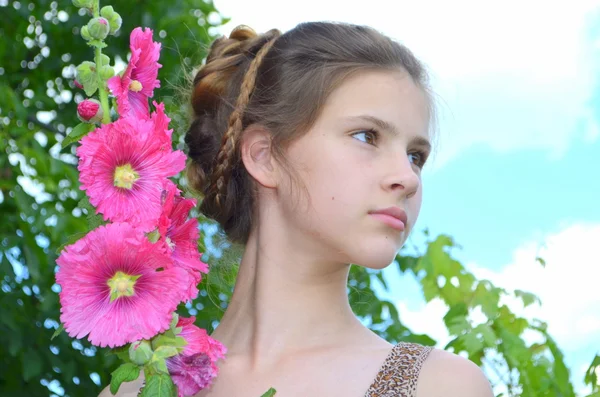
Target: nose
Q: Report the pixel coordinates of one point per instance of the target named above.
(403, 177)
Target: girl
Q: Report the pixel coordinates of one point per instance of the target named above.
(308, 149)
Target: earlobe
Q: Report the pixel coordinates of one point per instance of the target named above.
(255, 151)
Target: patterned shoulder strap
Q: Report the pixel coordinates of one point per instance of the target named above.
(400, 371)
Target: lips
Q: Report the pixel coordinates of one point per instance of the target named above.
(395, 212)
(394, 217)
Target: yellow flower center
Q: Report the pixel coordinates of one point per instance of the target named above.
(125, 176)
(135, 86)
(121, 284)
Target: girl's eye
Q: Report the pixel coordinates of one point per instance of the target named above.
(370, 136)
(417, 158)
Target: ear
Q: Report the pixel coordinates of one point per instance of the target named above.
(255, 151)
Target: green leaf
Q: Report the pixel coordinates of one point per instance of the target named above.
(127, 372)
(80, 130)
(159, 385)
(591, 377)
(121, 352)
(381, 279)
(541, 261)
(70, 240)
(527, 297)
(406, 263)
(488, 299)
(430, 288)
(94, 220)
(472, 343)
(457, 325)
(270, 393)
(58, 331)
(97, 44)
(168, 340)
(487, 333)
(165, 352)
(174, 319)
(158, 365)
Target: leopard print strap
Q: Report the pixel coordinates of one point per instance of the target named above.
(400, 371)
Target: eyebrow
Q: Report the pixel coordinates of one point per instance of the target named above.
(384, 125)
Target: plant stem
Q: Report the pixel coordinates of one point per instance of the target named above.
(102, 91)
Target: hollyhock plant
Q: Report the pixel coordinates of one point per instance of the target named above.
(195, 368)
(122, 282)
(123, 168)
(117, 287)
(179, 236)
(139, 79)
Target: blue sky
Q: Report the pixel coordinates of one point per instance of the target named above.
(491, 202)
(516, 175)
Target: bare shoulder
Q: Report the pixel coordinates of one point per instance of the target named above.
(447, 374)
(127, 389)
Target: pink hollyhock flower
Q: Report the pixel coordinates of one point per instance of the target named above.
(117, 287)
(195, 368)
(179, 236)
(139, 79)
(124, 165)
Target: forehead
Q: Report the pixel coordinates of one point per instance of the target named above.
(387, 95)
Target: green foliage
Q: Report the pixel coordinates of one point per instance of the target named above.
(78, 132)
(127, 372)
(591, 375)
(159, 385)
(497, 342)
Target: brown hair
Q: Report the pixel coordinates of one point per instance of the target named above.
(279, 82)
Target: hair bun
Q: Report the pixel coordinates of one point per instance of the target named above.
(218, 87)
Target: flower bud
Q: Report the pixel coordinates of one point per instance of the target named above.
(86, 76)
(98, 28)
(89, 111)
(104, 60)
(85, 33)
(78, 84)
(83, 3)
(107, 12)
(106, 72)
(140, 352)
(115, 23)
(114, 19)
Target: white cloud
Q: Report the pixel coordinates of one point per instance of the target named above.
(567, 286)
(426, 318)
(511, 75)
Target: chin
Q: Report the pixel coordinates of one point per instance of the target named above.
(378, 254)
(377, 258)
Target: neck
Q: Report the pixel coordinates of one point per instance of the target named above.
(285, 300)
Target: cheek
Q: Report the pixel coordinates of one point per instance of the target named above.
(339, 188)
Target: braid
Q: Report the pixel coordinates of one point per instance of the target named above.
(221, 171)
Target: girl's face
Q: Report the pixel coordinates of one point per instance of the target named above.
(364, 153)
